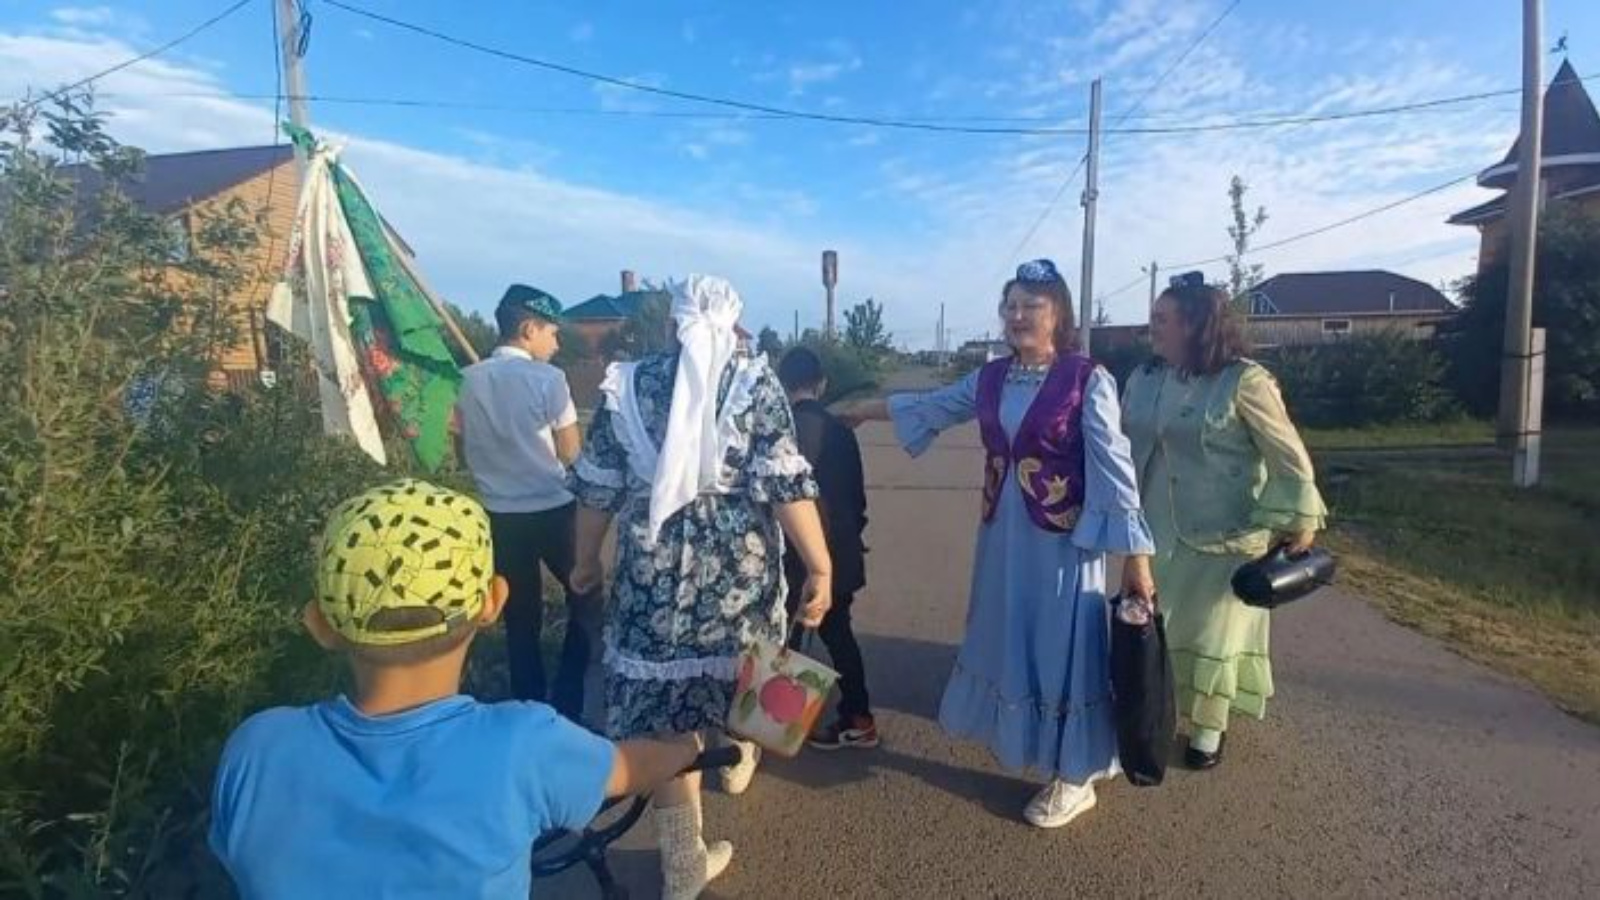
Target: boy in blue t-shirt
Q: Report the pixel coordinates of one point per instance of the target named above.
(407, 788)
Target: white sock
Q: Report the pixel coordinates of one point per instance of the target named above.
(1206, 740)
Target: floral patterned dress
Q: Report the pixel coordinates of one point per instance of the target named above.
(683, 611)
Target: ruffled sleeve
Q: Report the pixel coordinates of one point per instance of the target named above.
(1290, 502)
(919, 418)
(599, 480)
(1111, 521)
(776, 471)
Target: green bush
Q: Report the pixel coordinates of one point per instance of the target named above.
(851, 370)
(1376, 380)
(1566, 303)
(1121, 360)
(154, 558)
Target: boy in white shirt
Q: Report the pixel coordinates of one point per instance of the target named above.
(517, 431)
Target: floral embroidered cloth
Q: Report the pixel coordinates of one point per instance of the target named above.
(349, 294)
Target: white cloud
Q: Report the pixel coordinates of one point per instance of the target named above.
(492, 213)
(91, 22)
(806, 75)
(703, 139)
(84, 16)
(476, 225)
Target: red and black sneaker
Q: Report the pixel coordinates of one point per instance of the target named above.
(859, 733)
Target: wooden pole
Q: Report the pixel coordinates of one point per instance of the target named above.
(449, 320)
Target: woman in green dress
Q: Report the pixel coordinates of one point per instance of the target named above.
(1224, 477)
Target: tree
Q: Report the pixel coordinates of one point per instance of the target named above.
(1242, 277)
(863, 327)
(1566, 303)
(769, 342)
(648, 330)
(480, 332)
(153, 529)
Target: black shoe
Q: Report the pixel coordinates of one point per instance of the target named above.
(1199, 760)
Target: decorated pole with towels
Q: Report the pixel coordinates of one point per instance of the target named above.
(369, 323)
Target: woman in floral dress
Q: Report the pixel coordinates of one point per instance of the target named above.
(694, 455)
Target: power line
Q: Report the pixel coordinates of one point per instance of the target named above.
(1122, 290)
(875, 121)
(923, 124)
(203, 26)
(1193, 46)
(1437, 105)
(1333, 225)
(1067, 182)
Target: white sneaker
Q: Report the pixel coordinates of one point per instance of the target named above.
(1059, 803)
(736, 779)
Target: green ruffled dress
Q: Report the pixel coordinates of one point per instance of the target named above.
(1221, 468)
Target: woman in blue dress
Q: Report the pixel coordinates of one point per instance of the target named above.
(1032, 680)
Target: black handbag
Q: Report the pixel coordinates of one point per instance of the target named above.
(1282, 577)
(1142, 688)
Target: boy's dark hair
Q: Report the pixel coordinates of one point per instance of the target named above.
(522, 303)
(415, 652)
(801, 370)
(509, 319)
(510, 316)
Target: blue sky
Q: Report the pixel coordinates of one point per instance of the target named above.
(578, 182)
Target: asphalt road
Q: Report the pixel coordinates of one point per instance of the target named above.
(1387, 766)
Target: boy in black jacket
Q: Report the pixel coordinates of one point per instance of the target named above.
(835, 457)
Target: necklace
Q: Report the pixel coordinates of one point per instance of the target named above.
(1028, 373)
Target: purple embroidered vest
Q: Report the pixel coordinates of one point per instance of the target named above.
(1047, 451)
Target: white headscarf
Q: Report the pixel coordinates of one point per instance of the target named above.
(706, 309)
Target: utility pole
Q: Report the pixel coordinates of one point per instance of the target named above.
(794, 336)
(1519, 412)
(830, 278)
(1091, 194)
(941, 340)
(1153, 270)
(294, 73)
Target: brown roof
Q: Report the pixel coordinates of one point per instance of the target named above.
(1346, 293)
(1571, 133)
(174, 181)
(1494, 209)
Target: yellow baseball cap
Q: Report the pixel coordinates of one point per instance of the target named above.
(406, 545)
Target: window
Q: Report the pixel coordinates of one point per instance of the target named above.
(1336, 328)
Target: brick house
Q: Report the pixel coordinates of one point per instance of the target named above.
(178, 186)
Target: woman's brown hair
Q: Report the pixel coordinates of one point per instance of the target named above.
(1066, 335)
(1216, 337)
